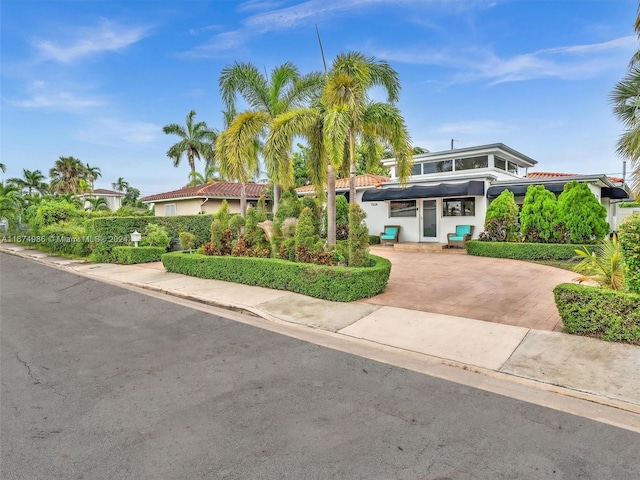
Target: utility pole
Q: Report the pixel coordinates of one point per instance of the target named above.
(453, 140)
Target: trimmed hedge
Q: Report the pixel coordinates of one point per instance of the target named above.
(629, 236)
(340, 284)
(522, 251)
(599, 312)
(374, 239)
(133, 255)
(115, 231)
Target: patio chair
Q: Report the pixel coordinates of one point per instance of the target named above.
(458, 239)
(390, 235)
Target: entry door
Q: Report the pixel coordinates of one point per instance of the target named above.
(429, 220)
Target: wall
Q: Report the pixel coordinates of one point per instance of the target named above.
(193, 206)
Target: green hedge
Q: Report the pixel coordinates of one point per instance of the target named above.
(522, 251)
(132, 255)
(341, 284)
(66, 238)
(114, 231)
(629, 236)
(374, 239)
(599, 312)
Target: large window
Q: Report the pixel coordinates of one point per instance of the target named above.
(500, 163)
(402, 208)
(416, 169)
(472, 162)
(459, 207)
(437, 167)
(170, 210)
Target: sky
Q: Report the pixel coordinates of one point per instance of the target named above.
(97, 80)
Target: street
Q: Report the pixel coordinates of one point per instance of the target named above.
(100, 382)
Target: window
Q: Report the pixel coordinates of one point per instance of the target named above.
(500, 163)
(513, 168)
(170, 210)
(472, 162)
(459, 207)
(416, 169)
(437, 167)
(402, 208)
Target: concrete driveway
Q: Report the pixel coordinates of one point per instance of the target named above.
(497, 290)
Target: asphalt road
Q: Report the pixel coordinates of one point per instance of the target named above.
(99, 382)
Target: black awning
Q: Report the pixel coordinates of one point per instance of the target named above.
(472, 188)
(614, 193)
(557, 188)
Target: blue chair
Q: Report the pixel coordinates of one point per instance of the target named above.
(390, 235)
(458, 239)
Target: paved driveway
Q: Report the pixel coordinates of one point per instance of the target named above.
(492, 289)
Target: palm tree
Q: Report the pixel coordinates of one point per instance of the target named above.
(267, 97)
(197, 142)
(350, 112)
(11, 203)
(66, 175)
(92, 173)
(120, 185)
(96, 204)
(3, 167)
(31, 180)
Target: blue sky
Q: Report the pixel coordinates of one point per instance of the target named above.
(98, 80)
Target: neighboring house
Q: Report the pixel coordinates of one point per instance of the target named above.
(366, 181)
(454, 187)
(113, 198)
(204, 198)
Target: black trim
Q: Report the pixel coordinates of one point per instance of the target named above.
(472, 188)
(556, 187)
(615, 193)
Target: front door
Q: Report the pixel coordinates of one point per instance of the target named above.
(429, 220)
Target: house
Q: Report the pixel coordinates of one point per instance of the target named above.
(204, 198)
(366, 181)
(455, 187)
(113, 198)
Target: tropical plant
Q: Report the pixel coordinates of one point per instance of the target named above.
(581, 215)
(539, 215)
(603, 265)
(66, 175)
(11, 204)
(92, 174)
(3, 167)
(352, 114)
(358, 236)
(120, 185)
(187, 240)
(197, 142)
(501, 219)
(266, 97)
(96, 204)
(31, 180)
(156, 236)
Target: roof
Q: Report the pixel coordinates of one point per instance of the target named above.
(210, 190)
(102, 191)
(366, 180)
(558, 175)
(480, 149)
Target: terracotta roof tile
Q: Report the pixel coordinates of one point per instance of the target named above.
(103, 191)
(211, 190)
(366, 180)
(559, 175)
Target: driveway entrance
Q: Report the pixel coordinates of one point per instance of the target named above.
(497, 290)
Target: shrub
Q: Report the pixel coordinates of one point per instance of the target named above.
(236, 224)
(539, 215)
(312, 205)
(374, 239)
(358, 236)
(522, 251)
(581, 214)
(598, 312)
(604, 265)
(629, 236)
(187, 240)
(132, 255)
(342, 284)
(156, 236)
(501, 219)
(50, 212)
(66, 238)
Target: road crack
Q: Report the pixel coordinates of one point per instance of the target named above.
(35, 379)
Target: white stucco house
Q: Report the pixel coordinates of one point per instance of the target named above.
(113, 198)
(454, 187)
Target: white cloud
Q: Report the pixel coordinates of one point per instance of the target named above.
(113, 131)
(108, 37)
(65, 101)
(474, 127)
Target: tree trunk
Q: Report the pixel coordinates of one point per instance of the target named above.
(277, 193)
(331, 206)
(243, 200)
(352, 166)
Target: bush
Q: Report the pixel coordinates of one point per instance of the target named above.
(598, 312)
(341, 284)
(629, 238)
(66, 238)
(374, 239)
(581, 214)
(358, 236)
(132, 255)
(156, 236)
(50, 212)
(522, 251)
(539, 215)
(187, 240)
(500, 223)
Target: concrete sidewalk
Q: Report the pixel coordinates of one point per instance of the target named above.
(602, 372)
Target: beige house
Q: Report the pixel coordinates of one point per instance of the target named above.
(204, 198)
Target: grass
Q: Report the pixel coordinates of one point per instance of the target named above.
(563, 264)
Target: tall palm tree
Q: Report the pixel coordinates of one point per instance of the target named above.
(96, 204)
(3, 167)
(120, 185)
(92, 173)
(266, 97)
(66, 175)
(11, 203)
(31, 180)
(351, 113)
(197, 141)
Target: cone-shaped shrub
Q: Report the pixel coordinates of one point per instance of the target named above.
(539, 215)
(581, 214)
